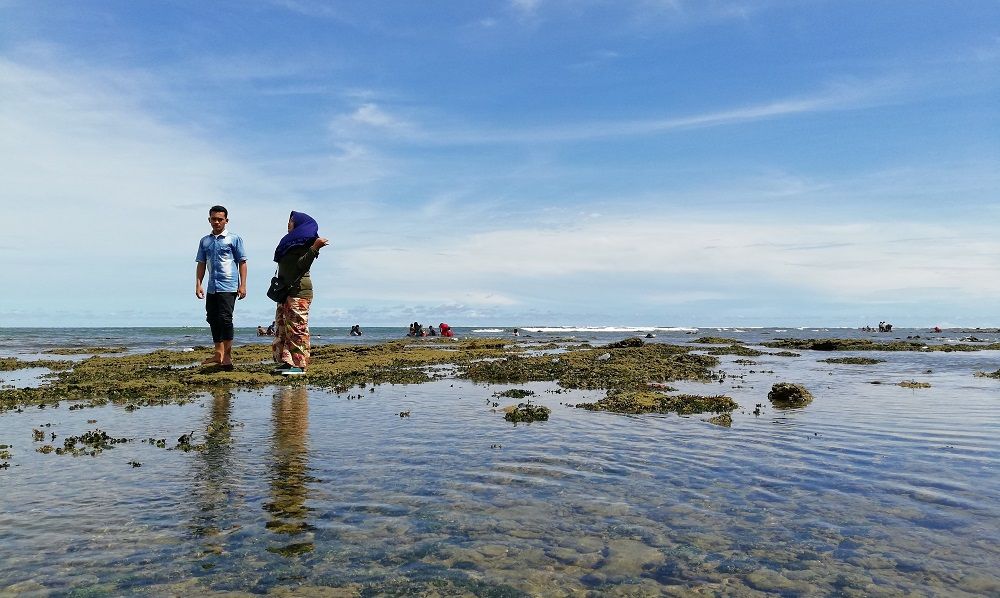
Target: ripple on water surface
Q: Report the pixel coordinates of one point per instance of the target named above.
(872, 489)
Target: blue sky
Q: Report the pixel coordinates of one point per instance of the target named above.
(528, 162)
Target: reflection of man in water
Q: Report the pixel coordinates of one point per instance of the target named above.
(290, 410)
(215, 511)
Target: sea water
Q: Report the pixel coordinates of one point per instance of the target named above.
(873, 489)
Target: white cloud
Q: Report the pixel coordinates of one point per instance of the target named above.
(368, 118)
(111, 200)
(838, 96)
(849, 262)
(526, 7)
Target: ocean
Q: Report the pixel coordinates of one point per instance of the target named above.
(872, 490)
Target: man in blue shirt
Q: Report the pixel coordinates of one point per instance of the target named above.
(221, 253)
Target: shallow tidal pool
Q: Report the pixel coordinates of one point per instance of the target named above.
(871, 490)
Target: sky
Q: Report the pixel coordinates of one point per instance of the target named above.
(512, 163)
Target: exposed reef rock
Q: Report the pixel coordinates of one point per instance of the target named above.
(860, 344)
(526, 412)
(85, 350)
(648, 401)
(626, 343)
(161, 377)
(853, 360)
(785, 395)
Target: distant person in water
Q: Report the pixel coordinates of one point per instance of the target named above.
(261, 331)
(270, 329)
(445, 330)
(516, 333)
(294, 255)
(430, 331)
(356, 330)
(221, 255)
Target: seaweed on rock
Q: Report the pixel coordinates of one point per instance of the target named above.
(861, 344)
(853, 360)
(649, 401)
(526, 412)
(785, 395)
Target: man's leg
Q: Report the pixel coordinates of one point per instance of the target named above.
(224, 349)
(212, 316)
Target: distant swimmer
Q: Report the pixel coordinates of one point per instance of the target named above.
(445, 329)
(937, 329)
(430, 331)
(516, 333)
(261, 331)
(356, 330)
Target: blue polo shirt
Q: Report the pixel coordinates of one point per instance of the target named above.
(222, 255)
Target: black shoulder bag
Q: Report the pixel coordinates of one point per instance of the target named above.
(279, 289)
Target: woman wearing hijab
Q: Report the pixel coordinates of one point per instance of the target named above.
(294, 255)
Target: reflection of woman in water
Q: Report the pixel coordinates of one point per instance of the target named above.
(289, 477)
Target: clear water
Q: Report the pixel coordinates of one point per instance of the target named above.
(870, 490)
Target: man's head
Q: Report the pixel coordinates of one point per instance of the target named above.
(218, 217)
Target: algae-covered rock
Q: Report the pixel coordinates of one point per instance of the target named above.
(785, 395)
(526, 412)
(741, 350)
(725, 420)
(914, 384)
(650, 401)
(85, 350)
(626, 343)
(716, 340)
(8, 364)
(861, 344)
(627, 368)
(514, 393)
(853, 360)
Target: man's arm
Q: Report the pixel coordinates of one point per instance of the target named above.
(199, 274)
(242, 292)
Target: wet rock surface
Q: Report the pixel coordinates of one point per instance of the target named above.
(854, 344)
(586, 505)
(649, 401)
(526, 412)
(786, 395)
(853, 360)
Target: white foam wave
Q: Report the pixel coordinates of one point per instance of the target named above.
(558, 329)
(488, 330)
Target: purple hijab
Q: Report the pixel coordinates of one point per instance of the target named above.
(306, 231)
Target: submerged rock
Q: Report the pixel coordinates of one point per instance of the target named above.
(785, 395)
(725, 420)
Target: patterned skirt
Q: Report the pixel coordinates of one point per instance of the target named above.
(291, 332)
